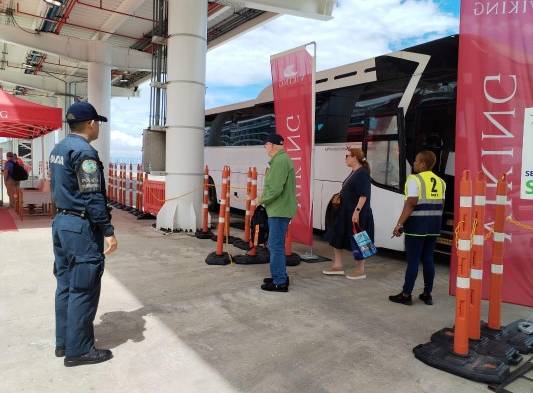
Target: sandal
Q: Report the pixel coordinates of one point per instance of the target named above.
(356, 276)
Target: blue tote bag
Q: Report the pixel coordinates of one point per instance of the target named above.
(362, 246)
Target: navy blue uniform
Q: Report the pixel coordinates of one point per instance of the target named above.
(78, 230)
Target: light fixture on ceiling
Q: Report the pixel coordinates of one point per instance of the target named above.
(57, 3)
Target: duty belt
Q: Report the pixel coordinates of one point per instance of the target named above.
(77, 213)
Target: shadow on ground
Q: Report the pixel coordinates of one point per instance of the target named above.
(118, 327)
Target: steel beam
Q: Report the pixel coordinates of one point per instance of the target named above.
(77, 49)
(314, 9)
(46, 84)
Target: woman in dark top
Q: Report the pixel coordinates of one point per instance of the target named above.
(354, 209)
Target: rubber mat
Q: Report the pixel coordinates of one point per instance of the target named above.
(6, 221)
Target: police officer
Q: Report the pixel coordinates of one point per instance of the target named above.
(79, 228)
(420, 220)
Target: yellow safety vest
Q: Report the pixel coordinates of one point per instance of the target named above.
(426, 219)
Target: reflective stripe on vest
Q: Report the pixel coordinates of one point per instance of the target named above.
(426, 219)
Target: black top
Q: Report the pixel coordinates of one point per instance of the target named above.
(355, 186)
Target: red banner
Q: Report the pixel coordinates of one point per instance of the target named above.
(293, 77)
(494, 131)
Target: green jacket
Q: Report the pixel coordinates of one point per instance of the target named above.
(279, 190)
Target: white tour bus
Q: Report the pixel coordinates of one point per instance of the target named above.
(392, 106)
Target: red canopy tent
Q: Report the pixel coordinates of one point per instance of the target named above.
(24, 119)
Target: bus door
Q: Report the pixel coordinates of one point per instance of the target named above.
(384, 148)
(435, 131)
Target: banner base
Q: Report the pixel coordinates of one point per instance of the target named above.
(310, 257)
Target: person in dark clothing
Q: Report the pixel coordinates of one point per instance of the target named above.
(12, 185)
(420, 221)
(79, 231)
(354, 211)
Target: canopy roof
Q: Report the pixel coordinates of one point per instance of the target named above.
(24, 119)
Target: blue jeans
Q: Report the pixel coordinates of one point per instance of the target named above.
(419, 248)
(277, 229)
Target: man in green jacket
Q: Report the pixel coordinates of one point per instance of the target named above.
(279, 199)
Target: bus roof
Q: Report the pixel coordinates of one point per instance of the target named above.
(357, 73)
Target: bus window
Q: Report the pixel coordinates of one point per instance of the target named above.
(382, 150)
(333, 116)
(242, 127)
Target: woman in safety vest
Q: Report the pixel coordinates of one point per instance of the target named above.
(421, 221)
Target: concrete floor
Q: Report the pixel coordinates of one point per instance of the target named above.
(176, 324)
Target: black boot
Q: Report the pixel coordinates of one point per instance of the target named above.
(271, 287)
(402, 299)
(269, 280)
(92, 357)
(426, 298)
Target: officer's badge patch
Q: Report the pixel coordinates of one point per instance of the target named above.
(89, 166)
(89, 178)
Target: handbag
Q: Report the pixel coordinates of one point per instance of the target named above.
(336, 200)
(362, 246)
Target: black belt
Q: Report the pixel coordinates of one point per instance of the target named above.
(77, 213)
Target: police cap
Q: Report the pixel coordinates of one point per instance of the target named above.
(83, 111)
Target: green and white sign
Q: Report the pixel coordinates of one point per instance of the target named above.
(526, 184)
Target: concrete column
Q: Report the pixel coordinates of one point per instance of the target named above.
(187, 48)
(99, 95)
(62, 133)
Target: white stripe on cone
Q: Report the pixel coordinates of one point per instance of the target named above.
(476, 274)
(480, 200)
(465, 201)
(478, 240)
(501, 200)
(499, 237)
(464, 245)
(463, 282)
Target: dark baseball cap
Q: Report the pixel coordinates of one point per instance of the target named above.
(83, 111)
(275, 139)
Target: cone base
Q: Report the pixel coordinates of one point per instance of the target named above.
(511, 335)
(199, 234)
(218, 260)
(145, 216)
(474, 367)
(241, 244)
(485, 346)
(262, 256)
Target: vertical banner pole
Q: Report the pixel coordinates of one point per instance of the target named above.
(309, 256)
(2, 179)
(293, 84)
